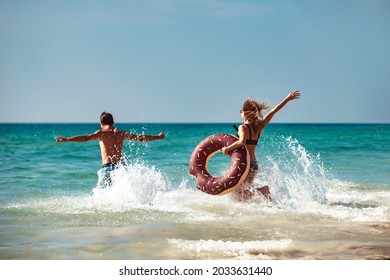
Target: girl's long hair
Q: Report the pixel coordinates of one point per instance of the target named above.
(253, 109)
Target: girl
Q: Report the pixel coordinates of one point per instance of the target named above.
(249, 134)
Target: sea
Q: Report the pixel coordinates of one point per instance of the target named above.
(330, 187)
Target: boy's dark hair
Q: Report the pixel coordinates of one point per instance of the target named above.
(106, 118)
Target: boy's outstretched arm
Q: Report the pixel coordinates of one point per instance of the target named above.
(79, 138)
(291, 96)
(145, 137)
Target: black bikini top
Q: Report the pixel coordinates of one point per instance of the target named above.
(249, 141)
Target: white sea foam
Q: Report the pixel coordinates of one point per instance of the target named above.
(232, 249)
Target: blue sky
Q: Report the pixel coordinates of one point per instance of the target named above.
(193, 60)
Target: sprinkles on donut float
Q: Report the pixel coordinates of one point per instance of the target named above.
(235, 175)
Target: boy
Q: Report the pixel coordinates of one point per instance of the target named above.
(111, 142)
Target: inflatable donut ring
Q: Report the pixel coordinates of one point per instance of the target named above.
(233, 178)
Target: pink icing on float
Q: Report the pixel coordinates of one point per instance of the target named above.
(232, 179)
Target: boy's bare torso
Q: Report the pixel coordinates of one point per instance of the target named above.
(111, 143)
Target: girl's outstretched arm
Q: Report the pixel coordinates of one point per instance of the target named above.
(291, 96)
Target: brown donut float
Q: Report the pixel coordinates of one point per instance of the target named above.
(232, 179)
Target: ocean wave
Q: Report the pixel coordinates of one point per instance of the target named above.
(217, 249)
(297, 180)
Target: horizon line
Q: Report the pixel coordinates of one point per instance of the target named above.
(228, 122)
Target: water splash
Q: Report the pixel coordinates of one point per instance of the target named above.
(295, 177)
(134, 184)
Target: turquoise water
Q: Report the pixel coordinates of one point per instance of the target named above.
(330, 184)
